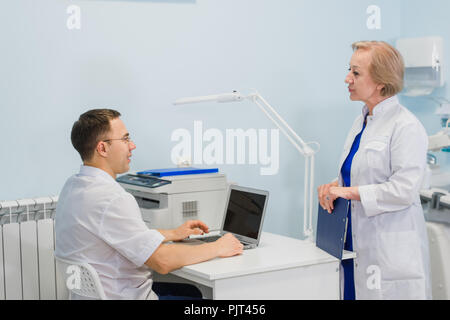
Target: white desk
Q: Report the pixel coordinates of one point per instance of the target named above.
(280, 268)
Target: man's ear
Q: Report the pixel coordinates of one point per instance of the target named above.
(102, 148)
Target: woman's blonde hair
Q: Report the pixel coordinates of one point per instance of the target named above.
(386, 67)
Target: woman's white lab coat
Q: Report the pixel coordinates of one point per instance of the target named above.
(388, 226)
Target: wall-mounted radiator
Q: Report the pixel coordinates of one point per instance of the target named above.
(27, 242)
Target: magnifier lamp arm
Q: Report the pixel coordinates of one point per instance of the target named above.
(293, 137)
(305, 150)
(282, 129)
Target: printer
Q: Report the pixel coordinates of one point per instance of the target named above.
(168, 201)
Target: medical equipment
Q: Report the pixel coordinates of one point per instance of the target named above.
(439, 244)
(441, 140)
(423, 59)
(168, 202)
(294, 139)
(436, 176)
(435, 200)
(27, 264)
(436, 204)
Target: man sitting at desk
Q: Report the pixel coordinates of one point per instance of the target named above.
(98, 222)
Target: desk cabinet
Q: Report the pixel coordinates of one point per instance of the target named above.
(280, 268)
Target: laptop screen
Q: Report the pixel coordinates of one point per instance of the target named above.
(244, 213)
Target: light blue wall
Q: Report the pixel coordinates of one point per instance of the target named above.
(139, 56)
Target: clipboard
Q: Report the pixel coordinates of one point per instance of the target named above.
(331, 228)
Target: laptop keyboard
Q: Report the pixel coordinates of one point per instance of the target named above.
(210, 239)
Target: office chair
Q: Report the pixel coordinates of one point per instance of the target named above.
(81, 279)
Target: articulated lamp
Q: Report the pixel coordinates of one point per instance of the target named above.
(295, 140)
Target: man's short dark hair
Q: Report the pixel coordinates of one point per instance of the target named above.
(89, 129)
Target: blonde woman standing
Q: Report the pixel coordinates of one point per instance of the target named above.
(380, 173)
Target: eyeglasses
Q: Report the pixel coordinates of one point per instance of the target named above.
(126, 139)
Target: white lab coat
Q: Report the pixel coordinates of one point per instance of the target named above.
(388, 225)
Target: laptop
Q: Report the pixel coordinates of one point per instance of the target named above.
(243, 217)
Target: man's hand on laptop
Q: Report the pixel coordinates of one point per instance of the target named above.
(191, 227)
(229, 245)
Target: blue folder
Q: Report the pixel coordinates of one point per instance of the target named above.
(331, 228)
(177, 171)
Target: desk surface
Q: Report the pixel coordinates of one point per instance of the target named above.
(275, 252)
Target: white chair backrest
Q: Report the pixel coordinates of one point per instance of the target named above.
(81, 279)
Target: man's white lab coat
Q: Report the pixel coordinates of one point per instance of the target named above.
(388, 226)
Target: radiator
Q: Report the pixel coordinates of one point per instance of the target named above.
(28, 269)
